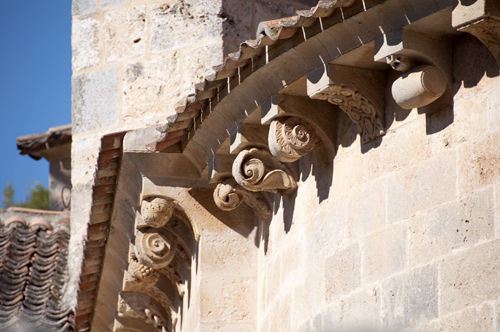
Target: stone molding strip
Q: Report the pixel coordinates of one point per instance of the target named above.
(103, 196)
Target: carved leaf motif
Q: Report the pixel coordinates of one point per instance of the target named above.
(362, 112)
(258, 170)
(156, 211)
(155, 248)
(291, 138)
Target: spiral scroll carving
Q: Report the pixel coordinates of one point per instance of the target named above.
(291, 138)
(361, 111)
(228, 195)
(257, 170)
(155, 248)
(156, 211)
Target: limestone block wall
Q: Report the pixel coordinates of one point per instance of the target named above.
(132, 62)
(401, 236)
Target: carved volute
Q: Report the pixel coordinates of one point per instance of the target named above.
(257, 170)
(228, 195)
(155, 248)
(291, 138)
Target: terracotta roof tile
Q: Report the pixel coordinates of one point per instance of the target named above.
(33, 260)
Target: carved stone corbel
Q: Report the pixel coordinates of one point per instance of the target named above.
(426, 67)
(228, 195)
(291, 138)
(360, 93)
(155, 212)
(257, 170)
(482, 20)
(155, 247)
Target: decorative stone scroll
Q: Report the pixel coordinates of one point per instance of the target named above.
(257, 170)
(155, 247)
(291, 138)
(362, 112)
(228, 195)
(155, 211)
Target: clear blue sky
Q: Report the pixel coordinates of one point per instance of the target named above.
(35, 83)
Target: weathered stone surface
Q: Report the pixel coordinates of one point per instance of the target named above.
(151, 88)
(293, 258)
(342, 272)
(366, 210)
(237, 25)
(384, 253)
(454, 225)
(494, 109)
(469, 277)
(81, 7)
(410, 298)
(273, 280)
(470, 120)
(85, 43)
(361, 310)
(109, 3)
(431, 182)
(228, 300)
(176, 26)
(480, 318)
(195, 68)
(125, 33)
(308, 300)
(227, 256)
(479, 163)
(404, 146)
(329, 219)
(95, 100)
(266, 10)
(497, 211)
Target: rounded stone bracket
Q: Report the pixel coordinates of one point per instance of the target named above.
(155, 212)
(155, 247)
(257, 170)
(290, 138)
(228, 195)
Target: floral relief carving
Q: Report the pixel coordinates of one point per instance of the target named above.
(362, 111)
(228, 195)
(291, 138)
(257, 170)
(155, 248)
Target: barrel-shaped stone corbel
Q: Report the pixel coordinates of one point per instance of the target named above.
(419, 87)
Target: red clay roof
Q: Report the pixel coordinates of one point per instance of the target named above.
(33, 260)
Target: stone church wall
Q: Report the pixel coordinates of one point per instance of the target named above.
(400, 235)
(133, 62)
(403, 236)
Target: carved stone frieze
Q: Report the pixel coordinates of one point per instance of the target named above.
(228, 195)
(155, 211)
(362, 111)
(291, 138)
(257, 170)
(155, 247)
